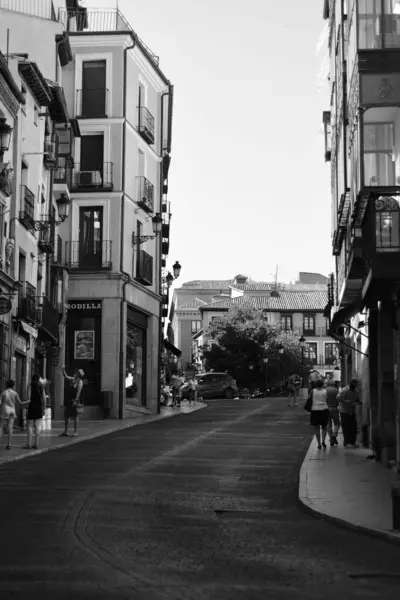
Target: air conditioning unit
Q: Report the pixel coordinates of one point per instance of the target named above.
(89, 178)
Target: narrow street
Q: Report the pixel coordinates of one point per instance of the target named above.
(197, 507)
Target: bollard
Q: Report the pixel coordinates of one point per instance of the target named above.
(396, 506)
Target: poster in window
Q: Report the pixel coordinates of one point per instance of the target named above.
(84, 345)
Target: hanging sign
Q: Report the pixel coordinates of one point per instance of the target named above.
(5, 305)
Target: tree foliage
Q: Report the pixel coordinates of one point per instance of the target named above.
(243, 339)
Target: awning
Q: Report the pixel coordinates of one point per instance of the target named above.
(29, 329)
(175, 351)
(5, 71)
(64, 49)
(343, 315)
(58, 106)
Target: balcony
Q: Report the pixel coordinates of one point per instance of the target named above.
(27, 302)
(27, 214)
(47, 319)
(89, 257)
(144, 272)
(63, 175)
(84, 180)
(146, 124)
(100, 21)
(145, 194)
(46, 240)
(43, 9)
(92, 104)
(50, 155)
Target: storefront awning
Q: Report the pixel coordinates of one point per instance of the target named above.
(343, 315)
(175, 351)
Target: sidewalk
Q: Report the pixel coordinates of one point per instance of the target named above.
(342, 485)
(50, 440)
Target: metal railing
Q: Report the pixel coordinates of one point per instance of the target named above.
(43, 9)
(144, 272)
(92, 20)
(27, 204)
(146, 124)
(145, 193)
(63, 171)
(27, 301)
(95, 256)
(89, 180)
(92, 104)
(57, 256)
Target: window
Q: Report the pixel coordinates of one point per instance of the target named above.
(35, 114)
(196, 326)
(310, 352)
(379, 24)
(287, 322)
(378, 154)
(309, 325)
(331, 353)
(90, 237)
(23, 106)
(387, 224)
(93, 96)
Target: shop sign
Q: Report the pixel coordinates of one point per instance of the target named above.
(20, 343)
(84, 305)
(380, 89)
(5, 305)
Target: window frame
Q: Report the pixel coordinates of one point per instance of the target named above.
(309, 330)
(197, 327)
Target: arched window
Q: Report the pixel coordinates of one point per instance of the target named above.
(387, 224)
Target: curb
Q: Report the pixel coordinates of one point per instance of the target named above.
(303, 501)
(96, 434)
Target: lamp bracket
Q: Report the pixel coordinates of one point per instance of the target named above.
(142, 238)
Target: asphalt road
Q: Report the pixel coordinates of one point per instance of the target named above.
(198, 507)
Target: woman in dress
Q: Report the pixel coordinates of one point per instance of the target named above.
(36, 409)
(319, 416)
(73, 395)
(8, 414)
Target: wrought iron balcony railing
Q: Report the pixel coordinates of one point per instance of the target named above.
(46, 240)
(27, 204)
(27, 302)
(144, 272)
(146, 124)
(63, 172)
(92, 180)
(94, 256)
(92, 104)
(145, 194)
(57, 258)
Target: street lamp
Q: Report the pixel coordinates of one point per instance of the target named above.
(176, 268)
(265, 360)
(302, 342)
(5, 136)
(156, 222)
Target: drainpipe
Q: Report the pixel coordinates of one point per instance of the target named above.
(126, 276)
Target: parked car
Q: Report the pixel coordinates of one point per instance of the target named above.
(214, 385)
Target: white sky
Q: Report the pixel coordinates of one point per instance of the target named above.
(248, 186)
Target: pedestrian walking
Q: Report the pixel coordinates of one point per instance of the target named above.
(36, 410)
(192, 387)
(319, 413)
(293, 386)
(8, 400)
(336, 377)
(333, 406)
(349, 400)
(73, 395)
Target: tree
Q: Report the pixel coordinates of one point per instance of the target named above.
(243, 338)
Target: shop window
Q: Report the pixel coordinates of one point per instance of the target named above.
(379, 24)
(135, 373)
(387, 224)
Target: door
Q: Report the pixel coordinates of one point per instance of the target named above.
(94, 89)
(92, 158)
(90, 237)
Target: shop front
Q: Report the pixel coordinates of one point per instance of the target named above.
(83, 349)
(136, 358)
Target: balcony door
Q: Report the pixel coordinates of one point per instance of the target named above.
(94, 89)
(92, 160)
(91, 237)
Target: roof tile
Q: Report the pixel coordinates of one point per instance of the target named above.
(287, 301)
